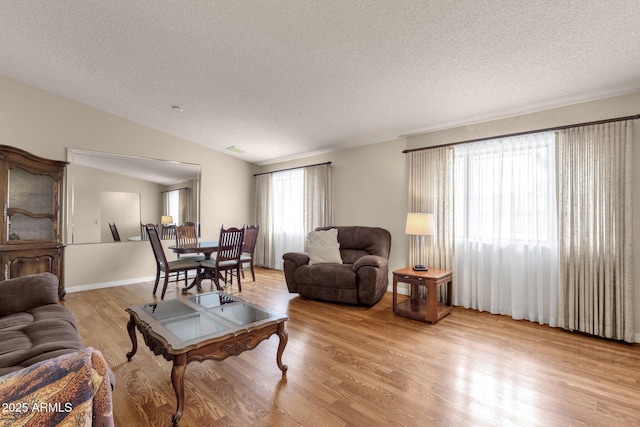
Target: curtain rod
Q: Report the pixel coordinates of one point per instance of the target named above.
(175, 189)
(598, 122)
(290, 169)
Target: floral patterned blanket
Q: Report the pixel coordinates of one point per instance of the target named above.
(70, 390)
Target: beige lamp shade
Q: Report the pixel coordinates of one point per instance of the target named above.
(419, 224)
(166, 219)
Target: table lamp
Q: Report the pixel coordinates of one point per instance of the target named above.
(166, 219)
(419, 224)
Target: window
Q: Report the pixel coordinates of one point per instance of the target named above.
(503, 189)
(173, 206)
(290, 203)
(288, 212)
(505, 227)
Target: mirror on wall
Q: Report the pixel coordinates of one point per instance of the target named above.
(106, 189)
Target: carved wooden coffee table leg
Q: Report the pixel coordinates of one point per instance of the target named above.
(131, 328)
(284, 337)
(177, 379)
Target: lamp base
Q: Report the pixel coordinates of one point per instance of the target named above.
(420, 268)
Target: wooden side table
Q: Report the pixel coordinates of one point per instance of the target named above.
(416, 308)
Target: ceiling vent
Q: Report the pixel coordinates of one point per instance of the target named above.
(236, 150)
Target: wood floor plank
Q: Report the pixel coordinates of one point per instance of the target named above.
(352, 366)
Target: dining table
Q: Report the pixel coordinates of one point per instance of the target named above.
(205, 248)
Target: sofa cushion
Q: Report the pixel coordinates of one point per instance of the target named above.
(35, 335)
(327, 275)
(322, 237)
(15, 321)
(328, 282)
(26, 292)
(324, 254)
(323, 247)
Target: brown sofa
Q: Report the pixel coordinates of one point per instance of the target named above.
(33, 326)
(361, 279)
(46, 373)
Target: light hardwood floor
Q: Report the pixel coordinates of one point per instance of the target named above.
(354, 366)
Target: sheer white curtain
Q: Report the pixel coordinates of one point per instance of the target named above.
(171, 205)
(289, 204)
(288, 208)
(177, 204)
(505, 227)
(594, 193)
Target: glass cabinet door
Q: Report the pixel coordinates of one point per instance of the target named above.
(30, 209)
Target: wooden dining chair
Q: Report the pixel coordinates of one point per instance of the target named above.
(228, 256)
(186, 236)
(114, 231)
(143, 231)
(248, 249)
(164, 266)
(168, 231)
(195, 226)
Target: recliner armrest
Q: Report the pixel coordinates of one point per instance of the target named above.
(370, 260)
(298, 258)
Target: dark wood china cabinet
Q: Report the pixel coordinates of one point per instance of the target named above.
(32, 204)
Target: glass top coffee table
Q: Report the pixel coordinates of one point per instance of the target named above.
(201, 327)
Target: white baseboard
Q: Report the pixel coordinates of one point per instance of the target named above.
(403, 289)
(101, 285)
(123, 282)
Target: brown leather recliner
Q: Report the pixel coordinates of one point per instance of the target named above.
(362, 278)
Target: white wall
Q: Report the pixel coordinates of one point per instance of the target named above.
(46, 125)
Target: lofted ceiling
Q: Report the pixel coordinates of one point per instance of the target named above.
(282, 79)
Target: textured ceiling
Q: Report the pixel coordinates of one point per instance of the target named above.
(284, 79)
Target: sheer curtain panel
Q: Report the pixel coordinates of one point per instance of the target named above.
(289, 204)
(288, 208)
(184, 195)
(505, 227)
(594, 194)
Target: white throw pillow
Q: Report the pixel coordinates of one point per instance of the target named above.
(323, 247)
